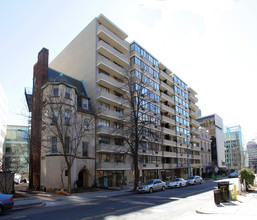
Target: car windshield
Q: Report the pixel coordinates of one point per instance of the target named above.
(191, 177)
(148, 182)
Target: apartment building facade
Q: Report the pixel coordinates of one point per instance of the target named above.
(101, 56)
(62, 130)
(205, 145)
(252, 154)
(214, 124)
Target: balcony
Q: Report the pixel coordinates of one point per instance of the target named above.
(110, 148)
(165, 76)
(112, 166)
(151, 152)
(166, 119)
(109, 114)
(169, 154)
(195, 131)
(169, 143)
(193, 106)
(194, 122)
(193, 114)
(195, 139)
(151, 166)
(165, 97)
(114, 55)
(164, 86)
(111, 99)
(109, 82)
(169, 165)
(192, 98)
(168, 131)
(107, 23)
(109, 67)
(165, 108)
(108, 36)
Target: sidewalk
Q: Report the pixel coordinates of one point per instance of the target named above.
(245, 205)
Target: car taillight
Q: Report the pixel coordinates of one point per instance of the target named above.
(11, 199)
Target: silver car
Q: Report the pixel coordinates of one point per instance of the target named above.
(152, 185)
(194, 180)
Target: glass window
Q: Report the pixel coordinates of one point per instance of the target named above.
(54, 145)
(56, 91)
(67, 145)
(104, 105)
(67, 117)
(55, 116)
(104, 140)
(103, 122)
(86, 124)
(67, 93)
(85, 149)
(84, 103)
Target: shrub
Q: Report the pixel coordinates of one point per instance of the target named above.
(248, 176)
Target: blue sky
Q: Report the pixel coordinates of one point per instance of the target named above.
(210, 44)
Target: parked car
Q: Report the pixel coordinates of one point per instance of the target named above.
(16, 181)
(6, 202)
(152, 185)
(192, 180)
(233, 175)
(24, 180)
(178, 182)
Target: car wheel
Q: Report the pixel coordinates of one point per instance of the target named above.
(200, 182)
(150, 190)
(163, 188)
(1, 210)
(180, 185)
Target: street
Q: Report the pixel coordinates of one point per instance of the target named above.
(179, 203)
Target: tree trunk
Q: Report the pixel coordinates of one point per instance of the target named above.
(136, 172)
(69, 180)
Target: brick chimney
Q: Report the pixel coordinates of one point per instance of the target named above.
(40, 77)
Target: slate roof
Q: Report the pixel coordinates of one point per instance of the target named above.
(59, 77)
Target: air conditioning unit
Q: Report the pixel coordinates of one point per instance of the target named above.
(144, 165)
(157, 165)
(143, 151)
(156, 152)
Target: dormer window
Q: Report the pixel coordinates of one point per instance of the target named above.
(56, 91)
(84, 104)
(67, 93)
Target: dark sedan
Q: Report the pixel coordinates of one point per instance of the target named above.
(6, 202)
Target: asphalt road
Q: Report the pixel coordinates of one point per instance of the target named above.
(168, 204)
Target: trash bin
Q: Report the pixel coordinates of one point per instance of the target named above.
(216, 196)
(224, 191)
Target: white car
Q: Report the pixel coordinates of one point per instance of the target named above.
(194, 180)
(178, 182)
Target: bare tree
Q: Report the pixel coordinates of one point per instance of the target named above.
(140, 120)
(61, 120)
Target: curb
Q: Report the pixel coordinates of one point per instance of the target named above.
(28, 206)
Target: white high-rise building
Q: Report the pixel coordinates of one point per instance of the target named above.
(3, 122)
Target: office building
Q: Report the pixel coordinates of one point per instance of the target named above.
(214, 124)
(234, 148)
(3, 122)
(16, 150)
(252, 154)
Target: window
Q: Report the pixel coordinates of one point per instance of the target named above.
(55, 116)
(105, 158)
(84, 103)
(67, 117)
(118, 158)
(119, 110)
(102, 88)
(85, 149)
(54, 145)
(86, 124)
(55, 91)
(117, 125)
(67, 93)
(118, 141)
(103, 122)
(104, 140)
(67, 145)
(104, 105)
